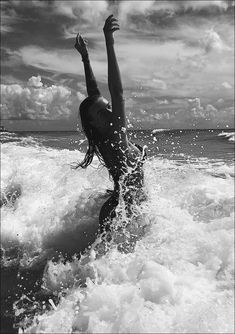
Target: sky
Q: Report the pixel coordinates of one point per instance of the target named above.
(176, 60)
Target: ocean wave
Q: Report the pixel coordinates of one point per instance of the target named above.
(7, 136)
(177, 278)
(159, 130)
(229, 135)
(12, 137)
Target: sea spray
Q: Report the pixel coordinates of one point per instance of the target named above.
(56, 203)
(178, 278)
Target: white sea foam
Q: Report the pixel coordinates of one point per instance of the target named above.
(52, 201)
(177, 280)
(229, 135)
(159, 130)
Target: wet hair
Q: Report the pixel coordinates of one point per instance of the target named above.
(90, 133)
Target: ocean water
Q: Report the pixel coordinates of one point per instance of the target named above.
(177, 275)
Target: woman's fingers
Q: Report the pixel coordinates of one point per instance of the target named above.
(112, 22)
(80, 43)
(111, 25)
(108, 18)
(114, 29)
(113, 19)
(114, 26)
(81, 40)
(77, 36)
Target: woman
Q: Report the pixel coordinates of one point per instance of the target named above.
(105, 129)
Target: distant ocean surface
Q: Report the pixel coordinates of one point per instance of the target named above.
(172, 144)
(179, 276)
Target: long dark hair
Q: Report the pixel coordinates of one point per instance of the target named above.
(90, 133)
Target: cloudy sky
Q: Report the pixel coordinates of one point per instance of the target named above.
(176, 60)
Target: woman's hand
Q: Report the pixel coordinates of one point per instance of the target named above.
(81, 45)
(111, 25)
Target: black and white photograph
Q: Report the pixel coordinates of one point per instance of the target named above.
(117, 166)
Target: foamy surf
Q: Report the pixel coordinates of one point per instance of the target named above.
(45, 198)
(177, 279)
(154, 131)
(229, 135)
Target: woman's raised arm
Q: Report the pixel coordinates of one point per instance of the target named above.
(114, 77)
(91, 84)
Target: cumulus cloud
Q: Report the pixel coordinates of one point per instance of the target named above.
(37, 101)
(163, 116)
(81, 96)
(196, 108)
(159, 84)
(134, 8)
(61, 61)
(35, 81)
(87, 11)
(167, 7)
(166, 10)
(58, 61)
(8, 17)
(198, 5)
(226, 85)
(163, 101)
(213, 42)
(94, 12)
(181, 113)
(199, 115)
(164, 49)
(220, 101)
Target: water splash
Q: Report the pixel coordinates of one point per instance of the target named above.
(177, 278)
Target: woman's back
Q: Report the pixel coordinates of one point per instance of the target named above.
(120, 160)
(105, 128)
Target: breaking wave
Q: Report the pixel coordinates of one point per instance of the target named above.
(159, 130)
(177, 278)
(229, 135)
